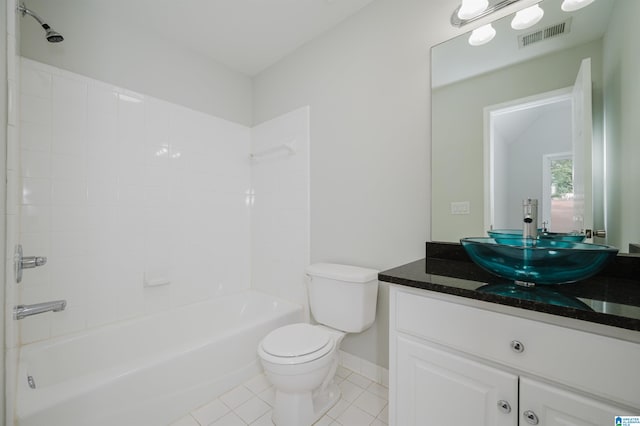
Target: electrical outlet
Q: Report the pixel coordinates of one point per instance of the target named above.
(460, 207)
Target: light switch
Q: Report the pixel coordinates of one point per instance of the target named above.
(460, 207)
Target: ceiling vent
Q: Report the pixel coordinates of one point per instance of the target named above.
(546, 33)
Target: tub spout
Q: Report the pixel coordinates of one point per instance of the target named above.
(23, 311)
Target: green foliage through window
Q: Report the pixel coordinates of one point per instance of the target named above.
(561, 178)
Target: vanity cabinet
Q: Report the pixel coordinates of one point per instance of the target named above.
(452, 363)
(436, 387)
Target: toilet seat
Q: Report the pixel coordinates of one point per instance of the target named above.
(296, 344)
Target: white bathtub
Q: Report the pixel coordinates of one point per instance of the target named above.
(150, 370)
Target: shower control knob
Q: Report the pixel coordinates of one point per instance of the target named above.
(517, 346)
(29, 262)
(21, 262)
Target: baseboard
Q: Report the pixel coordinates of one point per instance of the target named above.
(365, 368)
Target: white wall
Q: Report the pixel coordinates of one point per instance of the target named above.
(367, 82)
(97, 45)
(119, 189)
(622, 109)
(280, 206)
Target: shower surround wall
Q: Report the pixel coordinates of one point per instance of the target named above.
(10, 361)
(280, 206)
(120, 190)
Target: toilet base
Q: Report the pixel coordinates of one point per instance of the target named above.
(310, 408)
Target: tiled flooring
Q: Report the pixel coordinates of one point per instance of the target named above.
(363, 403)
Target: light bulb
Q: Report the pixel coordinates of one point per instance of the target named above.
(482, 35)
(472, 8)
(572, 5)
(528, 17)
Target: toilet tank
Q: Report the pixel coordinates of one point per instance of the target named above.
(343, 297)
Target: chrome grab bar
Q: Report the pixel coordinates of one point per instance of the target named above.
(23, 311)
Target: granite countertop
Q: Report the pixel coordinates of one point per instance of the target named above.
(610, 298)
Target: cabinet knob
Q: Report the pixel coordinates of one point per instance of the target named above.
(504, 406)
(530, 417)
(517, 346)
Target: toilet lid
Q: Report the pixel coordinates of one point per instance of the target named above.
(297, 340)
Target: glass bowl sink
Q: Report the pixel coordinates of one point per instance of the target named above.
(538, 261)
(574, 237)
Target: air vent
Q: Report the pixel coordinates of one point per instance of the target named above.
(546, 33)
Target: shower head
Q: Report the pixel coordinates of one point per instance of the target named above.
(51, 35)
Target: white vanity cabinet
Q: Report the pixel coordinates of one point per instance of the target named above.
(453, 363)
(435, 387)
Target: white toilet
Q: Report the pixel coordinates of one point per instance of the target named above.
(300, 360)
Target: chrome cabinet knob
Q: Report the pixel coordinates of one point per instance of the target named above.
(504, 406)
(530, 417)
(517, 346)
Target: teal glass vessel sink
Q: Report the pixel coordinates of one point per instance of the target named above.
(538, 261)
(574, 237)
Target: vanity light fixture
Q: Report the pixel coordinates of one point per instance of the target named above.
(482, 35)
(472, 8)
(528, 17)
(572, 5)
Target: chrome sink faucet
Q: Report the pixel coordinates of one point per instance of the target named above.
(530, 219)
(23, 311)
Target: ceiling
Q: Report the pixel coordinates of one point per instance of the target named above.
(513, 124)
(245, 35)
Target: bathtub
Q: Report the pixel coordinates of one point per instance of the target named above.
(150, 370)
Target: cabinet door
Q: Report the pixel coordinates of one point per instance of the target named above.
(547, 405)
(435, 387)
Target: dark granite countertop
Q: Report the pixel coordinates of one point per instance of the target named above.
(611, 298)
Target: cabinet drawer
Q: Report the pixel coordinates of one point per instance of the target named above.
(600, 365)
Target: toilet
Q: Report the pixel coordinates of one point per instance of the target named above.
(300, 360)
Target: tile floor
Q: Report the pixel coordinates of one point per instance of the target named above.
(363, 403)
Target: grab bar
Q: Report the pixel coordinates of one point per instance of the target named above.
(23, 311)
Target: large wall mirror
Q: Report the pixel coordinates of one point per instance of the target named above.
(551, 112)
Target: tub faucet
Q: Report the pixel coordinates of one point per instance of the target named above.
(23, 311)
(530, 220)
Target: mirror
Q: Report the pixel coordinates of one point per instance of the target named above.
(491, 149)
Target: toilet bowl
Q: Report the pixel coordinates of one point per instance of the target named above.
(300, 360)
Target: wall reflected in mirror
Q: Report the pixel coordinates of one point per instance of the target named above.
(489, 161)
